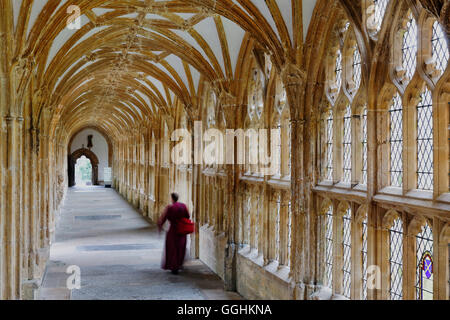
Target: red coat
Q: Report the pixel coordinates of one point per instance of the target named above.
(175, 249)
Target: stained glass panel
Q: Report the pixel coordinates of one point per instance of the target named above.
(329, 159)
(439, 46)
(425, 141)
(424, 268)
(409, 48)
(347, 145)
(396, 260)
(396, 141)
(347, 250)
(364, 147)
(329, 248)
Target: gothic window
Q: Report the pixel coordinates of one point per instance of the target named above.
(379, 10)
(396, 141)
(364, 147)
(347, 251)
(338, 70)
(356, 68)
(364, 235)
(425, 141)
(439, 47)
(409, 47)
(329, 142)
(347, 145)
(396, 260)
(424, 269)
(329, 247)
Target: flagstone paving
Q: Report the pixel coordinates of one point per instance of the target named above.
(119, 255)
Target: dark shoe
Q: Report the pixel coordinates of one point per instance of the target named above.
(174, 271)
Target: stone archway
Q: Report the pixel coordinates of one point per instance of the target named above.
(73, 159)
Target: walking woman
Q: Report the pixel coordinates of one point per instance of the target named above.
(175, 248)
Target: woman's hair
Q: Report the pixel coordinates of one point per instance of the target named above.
(174, 196)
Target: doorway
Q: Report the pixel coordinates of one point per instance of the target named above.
(83, 172)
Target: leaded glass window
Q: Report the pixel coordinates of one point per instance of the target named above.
(329, 247)
(364, 147)
(396, 260)
(277, 230)
(380, 9)
(396, 141)
(439, 47)
(356, 68)
(424, 269)
(409, 48)
(347, 250)
(338, 70)
(329, 159)
(425, 141)
(364, 257)
(289, 234)
(347, 145)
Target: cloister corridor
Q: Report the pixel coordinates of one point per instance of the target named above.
(308, 139)
(119, 254)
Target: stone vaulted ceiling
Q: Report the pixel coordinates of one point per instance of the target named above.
(132, 58)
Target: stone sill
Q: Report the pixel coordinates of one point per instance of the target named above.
(280, 272)
(339, 190)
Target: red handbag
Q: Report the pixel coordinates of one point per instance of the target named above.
(185, 226)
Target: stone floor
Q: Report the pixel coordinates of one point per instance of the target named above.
(119, 253)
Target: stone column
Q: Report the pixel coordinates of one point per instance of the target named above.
(294, 82)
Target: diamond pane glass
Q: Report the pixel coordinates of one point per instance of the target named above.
(329, 248)
(424, 269)
(439, 47)
(357, 68)
(277, 231)
(329, 159)
(347, 250)
(364, 258)
(409, 48)
(364, 147)
(396, 141)
(396, 260)
(338, 70)
(425, 141)
(289, 234)
(380, 9)
(347, 145)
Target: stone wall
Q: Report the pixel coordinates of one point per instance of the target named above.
(212, 249)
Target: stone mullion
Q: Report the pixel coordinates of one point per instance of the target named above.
(409, 264)
(284, 229)
(272, 221)
(338, 254)
(254, 207)
(385, 268)
(409, 145)
(263, 237)
(442, 248)
(356, 149)
(356, 254)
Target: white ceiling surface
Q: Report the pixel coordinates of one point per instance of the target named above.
(206, 28)
(308, 8)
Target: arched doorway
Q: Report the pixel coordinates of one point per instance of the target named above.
(73, 160)
(83, 171)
